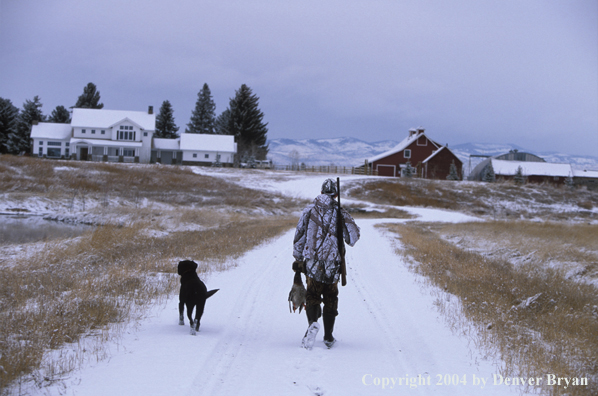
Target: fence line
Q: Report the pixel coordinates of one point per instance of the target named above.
(350, 170)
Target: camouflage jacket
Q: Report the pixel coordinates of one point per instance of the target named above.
(316, 238)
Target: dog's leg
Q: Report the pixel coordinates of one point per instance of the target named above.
(181, 313)
(199, 313)
(190, 307)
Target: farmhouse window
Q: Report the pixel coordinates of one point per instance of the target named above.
(128, 153)
(67, 144)
(144, 133)
(93, 131)
(207, 155)
(66, 152)
(41, 150)
(41, 142)
(82, 130)
(407, 153)
(54, 144)
(126, 135)
(194, 155)
(53, 152)
(103, 132)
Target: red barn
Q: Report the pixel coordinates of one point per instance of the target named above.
(430, 159)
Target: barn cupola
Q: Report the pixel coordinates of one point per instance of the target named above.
(412, 132)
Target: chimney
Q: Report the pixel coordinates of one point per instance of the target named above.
(150, 110)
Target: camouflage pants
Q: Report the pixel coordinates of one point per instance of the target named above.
(318, 292)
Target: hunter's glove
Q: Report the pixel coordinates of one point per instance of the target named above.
(299, 266)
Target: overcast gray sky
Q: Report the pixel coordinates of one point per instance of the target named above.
(502, 71)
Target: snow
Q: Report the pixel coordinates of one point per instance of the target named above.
(50, 130)
(503, 167)
(388, 328)
(104, 118)
(249, 342)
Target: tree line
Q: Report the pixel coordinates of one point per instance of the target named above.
(242, 119)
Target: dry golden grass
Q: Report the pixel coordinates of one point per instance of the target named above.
(501, 200)
(534, 319)
(573, 247)
(102, 278)
(100, 181)
(98, 282)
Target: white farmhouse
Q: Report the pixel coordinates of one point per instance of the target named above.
(107, 135)
(126, 136)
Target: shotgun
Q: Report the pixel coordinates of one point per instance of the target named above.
(339, 234)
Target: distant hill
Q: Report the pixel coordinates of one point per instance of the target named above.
(353, 152)
(336, 151)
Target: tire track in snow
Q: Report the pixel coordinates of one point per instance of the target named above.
(244, 326)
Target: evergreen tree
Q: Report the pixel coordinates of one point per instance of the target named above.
(8, 122)
(489, 175)
(90, 99)
(408, 171)
(247, 124)
(222, 125)
(60, 115)
(204, 114)
(569, 182)
(165, 126)
(453, 172)
(19, 140)
(518, 178)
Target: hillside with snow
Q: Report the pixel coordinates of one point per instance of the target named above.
(353, 152)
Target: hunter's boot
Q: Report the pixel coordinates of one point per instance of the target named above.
(313, 312)
(328, 329)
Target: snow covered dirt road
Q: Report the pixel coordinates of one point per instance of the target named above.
(388, 333)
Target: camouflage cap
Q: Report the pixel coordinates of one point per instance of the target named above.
(329, 187)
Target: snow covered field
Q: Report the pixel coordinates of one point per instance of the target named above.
(391, 339)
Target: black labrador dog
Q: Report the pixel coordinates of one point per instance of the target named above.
(193, 294)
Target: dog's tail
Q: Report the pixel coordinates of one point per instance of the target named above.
(211, 293)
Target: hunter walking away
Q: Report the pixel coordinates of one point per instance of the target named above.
(318, 248)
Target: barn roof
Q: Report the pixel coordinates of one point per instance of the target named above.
(401, 146)
(585, 173)
(438, 151)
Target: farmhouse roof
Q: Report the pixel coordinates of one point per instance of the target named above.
(503, 167)
(100, 118)
(402, 145)
(50, 130)
(207, 142)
